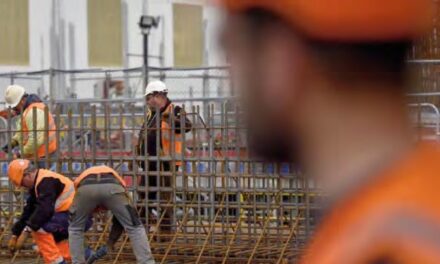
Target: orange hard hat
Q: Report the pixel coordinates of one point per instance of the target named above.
(348, 20)
(16, 170)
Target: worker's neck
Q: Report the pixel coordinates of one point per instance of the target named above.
(354, 137)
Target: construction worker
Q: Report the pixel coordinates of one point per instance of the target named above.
(101, 187)
(45, 215)
(24, 141)
(327, 80)
(169, 144)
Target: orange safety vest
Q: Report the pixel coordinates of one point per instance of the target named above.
(65, 199)
(52, 144)
(99, 170)
(393, 219)
(167, 135)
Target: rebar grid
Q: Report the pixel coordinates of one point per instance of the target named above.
(226, 208)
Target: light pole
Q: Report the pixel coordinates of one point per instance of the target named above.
(146, 23)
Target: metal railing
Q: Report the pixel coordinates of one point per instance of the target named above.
(424, 120)
(57, 84)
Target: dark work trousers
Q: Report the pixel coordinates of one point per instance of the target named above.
(166, 197)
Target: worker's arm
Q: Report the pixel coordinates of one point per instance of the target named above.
(28, 149)
(7, 113)
(48, 191)
(178, 125)
(140, 146)
(27, 212)
(17, 137)
(141, 139)
(115, 233)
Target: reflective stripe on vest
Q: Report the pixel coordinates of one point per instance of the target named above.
(52, 144)
(99, 170)
(64, 196)
(65, 199)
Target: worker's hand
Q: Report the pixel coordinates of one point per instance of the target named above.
(16, 153)
(6, 148)
(99, 254)
(5, 113)
(22, 238)
(102, 251)
(12, 244)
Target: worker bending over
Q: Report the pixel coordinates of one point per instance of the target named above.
(327, 80)
(161, 136)
(46, 212)
(28, 126)
(102, 187)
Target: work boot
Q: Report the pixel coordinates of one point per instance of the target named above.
(88, 252)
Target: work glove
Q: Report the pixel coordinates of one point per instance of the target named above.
(88, 252)
(5, 113)
(100, 253)
(12, 243)
(6, 148)
(16, 153)
(22, 238)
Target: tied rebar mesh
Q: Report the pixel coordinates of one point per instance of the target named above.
(220, 207)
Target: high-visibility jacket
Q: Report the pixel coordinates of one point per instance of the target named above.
(27, 118)
(99, 170)
(167, 135)
(393, 219)
(65, 199)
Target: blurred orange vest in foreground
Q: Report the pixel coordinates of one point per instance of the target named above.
(393, 219)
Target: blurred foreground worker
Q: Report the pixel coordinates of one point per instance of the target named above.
(338, 73)
(166, 141)
(102, 187)
(24, 140)
(46, 212)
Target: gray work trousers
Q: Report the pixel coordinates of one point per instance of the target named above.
(113, 197)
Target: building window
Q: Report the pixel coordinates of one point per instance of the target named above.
(188, 35)
(104, 32)
(14, 32)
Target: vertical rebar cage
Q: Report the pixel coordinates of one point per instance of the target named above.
(210, 203)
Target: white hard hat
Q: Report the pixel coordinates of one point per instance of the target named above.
(156, 87)
(13, 95)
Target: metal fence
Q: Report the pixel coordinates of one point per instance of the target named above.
(221, 207)
(54, 84)
(424, 97)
